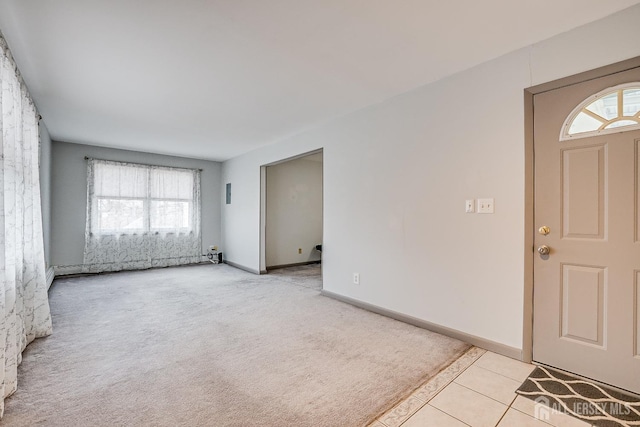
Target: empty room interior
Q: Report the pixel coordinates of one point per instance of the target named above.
(332, 213)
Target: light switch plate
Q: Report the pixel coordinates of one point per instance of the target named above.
(470, 206)
(485, 206)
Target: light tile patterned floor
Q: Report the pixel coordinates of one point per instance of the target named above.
(477, 390)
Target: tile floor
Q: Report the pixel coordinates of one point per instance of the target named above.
(478, 390)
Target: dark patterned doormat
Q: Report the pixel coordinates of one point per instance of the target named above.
(557, 392)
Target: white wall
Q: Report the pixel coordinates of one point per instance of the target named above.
(396, 176)
(45, 189)
(69, 195)
(294, 211)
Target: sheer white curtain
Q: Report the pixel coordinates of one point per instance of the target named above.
(24, 305)
(141, 216)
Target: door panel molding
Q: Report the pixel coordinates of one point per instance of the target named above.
(584, 190)
(583, 302)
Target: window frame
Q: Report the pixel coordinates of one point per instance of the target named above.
(603, 130)
(146, 202)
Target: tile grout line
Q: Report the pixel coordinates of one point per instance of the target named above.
(479, 352)
(498, 373)
(508, 405)
(448, 383)
(511, 378)
(528, 415)
(502, 417)
(549, 423)
(438, 409)
(422, 401)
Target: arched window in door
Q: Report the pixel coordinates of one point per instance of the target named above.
(615, 109)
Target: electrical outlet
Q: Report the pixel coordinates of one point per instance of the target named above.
(485, 206)
(299, 250)
(356, 278)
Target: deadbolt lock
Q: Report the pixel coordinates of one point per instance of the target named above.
(544, 230)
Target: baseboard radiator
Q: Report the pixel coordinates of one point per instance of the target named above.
(50, 275)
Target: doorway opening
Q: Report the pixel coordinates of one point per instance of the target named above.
(291, 214)
(581, 280)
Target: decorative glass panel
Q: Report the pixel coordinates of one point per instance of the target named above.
(584, 123)
(621, 123)
(631, 104)
(615, 109)
(606, 107)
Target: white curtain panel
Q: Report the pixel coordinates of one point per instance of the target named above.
(24, 304)
(141, 216)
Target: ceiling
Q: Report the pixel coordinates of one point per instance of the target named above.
(213, 79)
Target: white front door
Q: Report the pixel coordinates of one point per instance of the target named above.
(586, 290)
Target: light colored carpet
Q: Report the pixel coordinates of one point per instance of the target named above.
(211, 345)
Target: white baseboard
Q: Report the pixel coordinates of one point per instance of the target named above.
(242, 267)
(297, 264)
(64, 270)
(496, 347)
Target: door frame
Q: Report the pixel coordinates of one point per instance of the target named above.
(529, 184)
(263, 202)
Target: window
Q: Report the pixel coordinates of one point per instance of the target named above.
(141, 216)
(133, 198)
(605, 112)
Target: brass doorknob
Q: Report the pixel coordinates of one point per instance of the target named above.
(544, 250)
